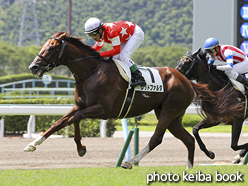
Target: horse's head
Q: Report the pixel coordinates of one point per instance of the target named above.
(195, 67)
(51, 55)
(188, 64)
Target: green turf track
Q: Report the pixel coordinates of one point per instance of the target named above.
(117, 176)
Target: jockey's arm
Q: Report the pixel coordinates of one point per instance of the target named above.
(98, 46)
(228, 66)
(229, 61)
(116, 48)
(224, 67)
(211, 60)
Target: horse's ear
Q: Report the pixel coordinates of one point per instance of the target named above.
(62, 36)
(197, 51)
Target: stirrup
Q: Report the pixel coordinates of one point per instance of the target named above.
(138, 83)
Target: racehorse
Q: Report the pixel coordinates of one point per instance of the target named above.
(194, 66)
(100, 92)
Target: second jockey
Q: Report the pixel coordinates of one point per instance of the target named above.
(237, 63)
(125, 37)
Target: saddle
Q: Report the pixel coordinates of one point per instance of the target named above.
(151, 76)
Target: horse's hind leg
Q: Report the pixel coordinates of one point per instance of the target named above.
(155, 140)
(236, 130)
(179, 132)
(166, 116)
(241, 154)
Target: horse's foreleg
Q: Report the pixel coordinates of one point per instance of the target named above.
(95, 111)
(61, 123)
(77, 138)
(201, 125)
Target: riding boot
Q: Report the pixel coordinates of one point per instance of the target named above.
(137, 79)
(242, 79)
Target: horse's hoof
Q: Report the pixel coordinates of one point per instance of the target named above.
(127, 165)
(82, 152)
(236, 161)
(30, 148)
(211, 155)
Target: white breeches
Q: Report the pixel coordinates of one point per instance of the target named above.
(238, 68)
(129, 47)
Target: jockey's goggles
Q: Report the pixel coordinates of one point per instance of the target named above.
(210, 51)
(92, 34)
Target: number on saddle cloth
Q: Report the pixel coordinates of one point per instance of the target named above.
(153, 80)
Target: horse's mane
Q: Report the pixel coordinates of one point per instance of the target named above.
(218, 73)
(76, 41)
(202, 56)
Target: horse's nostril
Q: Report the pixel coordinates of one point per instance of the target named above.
(32, 67)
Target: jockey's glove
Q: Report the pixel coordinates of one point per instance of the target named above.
(97, 55)
(212, 66)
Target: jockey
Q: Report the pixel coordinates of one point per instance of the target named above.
(237, 63)
(125, 37)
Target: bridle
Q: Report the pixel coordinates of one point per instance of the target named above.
(188, 69)
(61, 50)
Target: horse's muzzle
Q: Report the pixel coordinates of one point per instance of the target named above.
(37, 70)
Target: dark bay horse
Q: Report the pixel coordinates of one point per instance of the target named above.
(100, 92)
(194, 67)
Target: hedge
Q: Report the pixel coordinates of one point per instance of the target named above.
(17, 125)
(25, 76)
(21, 77)
(40, 101)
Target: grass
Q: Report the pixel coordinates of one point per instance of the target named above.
(219, 128)
(148, 123)
(109, 176)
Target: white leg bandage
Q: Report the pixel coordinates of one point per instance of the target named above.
(139, 156)
(38, 141)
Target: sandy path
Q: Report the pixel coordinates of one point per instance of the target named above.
(104, 152)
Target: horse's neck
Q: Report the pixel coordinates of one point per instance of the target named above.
(84, 68)
(215, 80)
(213, 84)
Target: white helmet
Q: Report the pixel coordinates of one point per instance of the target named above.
(92, 24)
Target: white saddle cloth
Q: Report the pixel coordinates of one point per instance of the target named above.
(152, 77)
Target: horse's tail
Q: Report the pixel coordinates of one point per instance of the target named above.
(221, 106)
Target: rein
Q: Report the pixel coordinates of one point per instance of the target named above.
(61, 55)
